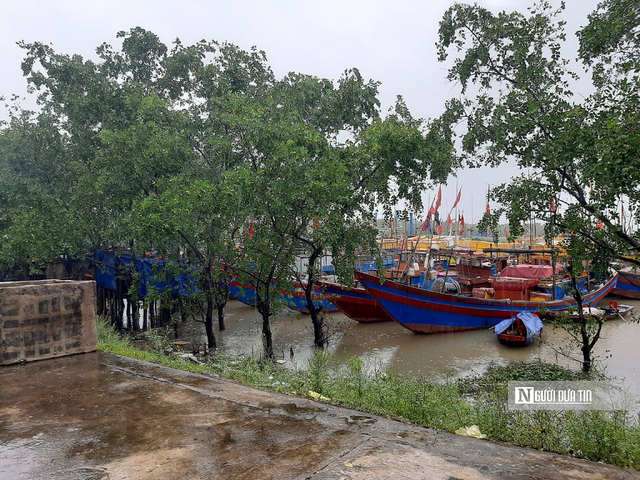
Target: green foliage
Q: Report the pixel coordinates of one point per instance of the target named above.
(489, 224)
(606, 436)
(176, 150)
(318, 371)
(518, 105)
(522, 108)
(159, 340)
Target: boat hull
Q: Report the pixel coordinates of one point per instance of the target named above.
(356, 303)
(423, 311)
(514, 340)
(520, 330)
(613, 311)
(242, 291)
(295, 298)
(627, 286)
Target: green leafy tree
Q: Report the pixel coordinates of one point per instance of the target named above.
(517, 104)
(199, 207)
(316, 192)
(37, 195)
(176, 149)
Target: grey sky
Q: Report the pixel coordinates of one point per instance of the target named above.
(391, 42)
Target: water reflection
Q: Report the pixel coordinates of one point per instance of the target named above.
(385, 346)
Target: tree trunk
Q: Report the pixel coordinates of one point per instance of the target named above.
(221, 325)
(317, 318)
(267, 339)
(208, 326)
(210, 299)
(587, 346)
(319, 331)
(222, 296)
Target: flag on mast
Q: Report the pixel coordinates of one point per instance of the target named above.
(488, 210)
(457, 199)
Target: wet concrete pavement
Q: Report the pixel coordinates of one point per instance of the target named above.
(100, 416)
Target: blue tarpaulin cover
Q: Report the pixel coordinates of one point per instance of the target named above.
(105, 269)
(530, 320)
(158, 273)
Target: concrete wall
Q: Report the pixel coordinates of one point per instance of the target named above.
(46, 318)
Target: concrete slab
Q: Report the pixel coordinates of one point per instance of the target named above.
(98, 416)
(45, 319)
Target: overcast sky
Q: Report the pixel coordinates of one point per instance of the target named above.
(388, 41)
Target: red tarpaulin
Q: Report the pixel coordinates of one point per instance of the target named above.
(514, 284)
(527, 271)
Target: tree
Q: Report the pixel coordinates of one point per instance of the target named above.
(174, 150)
(316, 192)
(201, 205)
(37, 194)
(521, 107)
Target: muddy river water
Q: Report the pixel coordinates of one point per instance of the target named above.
(388, 346)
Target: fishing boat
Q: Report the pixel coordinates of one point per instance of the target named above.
(242, 289)
(628, 285)
(294, 297)
(355, 302)
(611, 311)
(519, 330)
(427, 311)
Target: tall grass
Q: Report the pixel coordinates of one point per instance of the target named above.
(606, 436)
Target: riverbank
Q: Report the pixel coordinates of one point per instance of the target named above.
(104, 416)
(387, 346)
(607, 436)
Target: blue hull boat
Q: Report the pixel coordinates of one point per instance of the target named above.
(425, 311)
(244, 291)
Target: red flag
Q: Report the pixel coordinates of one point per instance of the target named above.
(457, 199)
(425, 224)
(461, 224)
(438, 197)
(432, 210)
(488, 210)
(439, 229)
(250, 232)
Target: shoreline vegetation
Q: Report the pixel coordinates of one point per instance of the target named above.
(480, 400)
